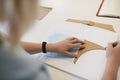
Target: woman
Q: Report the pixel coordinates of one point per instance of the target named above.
(16, 16)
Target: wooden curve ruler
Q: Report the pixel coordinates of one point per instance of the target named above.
(94, 24)
(88, 46)
(43, 11)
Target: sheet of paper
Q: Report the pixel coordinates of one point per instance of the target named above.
(111, 8)
(90, 65)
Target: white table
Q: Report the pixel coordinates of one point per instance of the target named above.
(62, 10)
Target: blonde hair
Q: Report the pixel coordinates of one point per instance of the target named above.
(20, 15)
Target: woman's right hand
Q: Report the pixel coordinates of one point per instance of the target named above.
(113, 53)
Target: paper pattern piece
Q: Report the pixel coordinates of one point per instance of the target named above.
(88, 46)
(94, 24)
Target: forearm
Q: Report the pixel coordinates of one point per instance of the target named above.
(33, 48)
(111, 70)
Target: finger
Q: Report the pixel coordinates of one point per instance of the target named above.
(70, 54)
(71, 38)
(110, 46)
(77, 41)
(77, 46)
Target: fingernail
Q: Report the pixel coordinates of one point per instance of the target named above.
(82, 47)
(75, 57)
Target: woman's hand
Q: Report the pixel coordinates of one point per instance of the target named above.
(114, 52)
(63, 47)
(113, 62)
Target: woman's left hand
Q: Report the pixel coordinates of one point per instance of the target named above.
(63, 47)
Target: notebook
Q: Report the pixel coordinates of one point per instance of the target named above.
(109, 8)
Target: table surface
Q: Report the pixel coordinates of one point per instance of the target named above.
(62, 10)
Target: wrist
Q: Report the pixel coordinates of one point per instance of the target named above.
(111, 69)
(113, 60)
(50, 47)
(112, 65)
